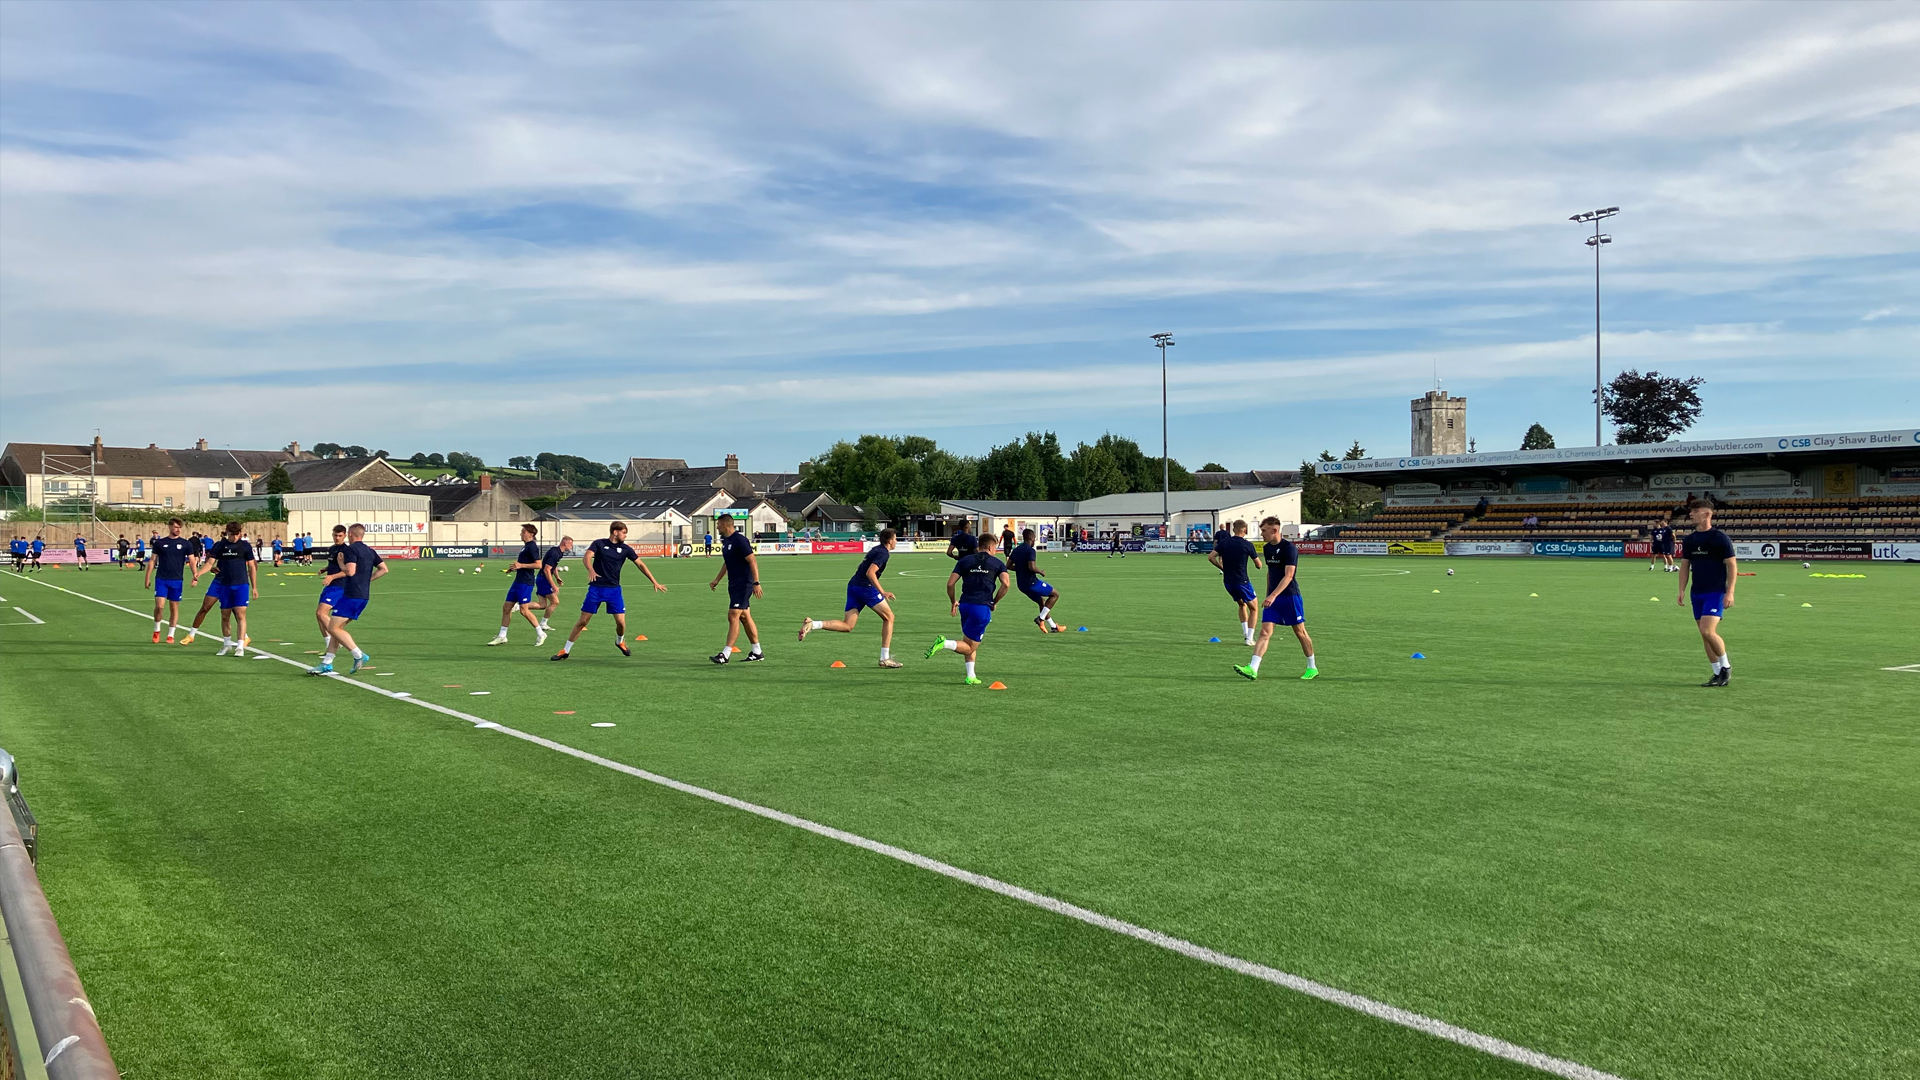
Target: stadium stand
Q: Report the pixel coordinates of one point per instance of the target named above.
(1402, 523)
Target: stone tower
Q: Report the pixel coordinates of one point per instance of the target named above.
(1439, 424)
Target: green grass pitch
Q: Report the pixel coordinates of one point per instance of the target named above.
(1544, 832)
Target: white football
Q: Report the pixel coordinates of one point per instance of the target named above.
(463, 570)
(1806, 566)
(1449, 571)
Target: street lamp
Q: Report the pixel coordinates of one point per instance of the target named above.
(1166, 516)
(1598, 238)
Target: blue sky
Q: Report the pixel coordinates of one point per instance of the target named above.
(684, 231)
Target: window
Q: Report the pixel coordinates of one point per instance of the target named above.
(138, 492)
(169, 501)
(56, 487)
(239, 489)
(1449, 423)
(213, 489)
(513, 509)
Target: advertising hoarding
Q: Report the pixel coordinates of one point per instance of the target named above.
(1756, 549)
(1359, 547)
(1416, 547)
(1583, 549)
(1489, 547)
(1897, 551)
(1826, 549)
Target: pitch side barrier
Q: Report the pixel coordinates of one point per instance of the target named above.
(49, 1030)
(1756, 550)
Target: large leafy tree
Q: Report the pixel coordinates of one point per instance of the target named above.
(1326, 497)
(278, 482)
(1650, 408)
(575, 471)
(1537, 438)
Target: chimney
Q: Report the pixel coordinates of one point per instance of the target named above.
(294, 448)
(486, 481)
(733, 462)
(99, 451)
(153, 446)
(200, 444)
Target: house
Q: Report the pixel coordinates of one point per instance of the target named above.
(1224, 481)
(818, 510)
(1189, 513)
(345, 474)
(645, 473)
(483, 500)
(121, 476)
(757, 514)
(218, 474)
(641, 469)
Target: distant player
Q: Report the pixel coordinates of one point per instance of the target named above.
(17, 547)
(1282, 606)
(1007, 539)
(961, 544)
(35, 549)
(126, 550)
(1118, 548)
(1709, 575)
(333, 589)
(140, 551)
(546, 588)
(741, 568)
(526, 570)
(1024, 561)
(1661, 546)
(360, 566)
(1231, 553)
(605, 559)
(982, 581)
(80, 552)
(864, 591)
(166, 576)
(709, 544)
(276, 551)
(231, 564)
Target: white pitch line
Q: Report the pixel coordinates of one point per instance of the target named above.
(1380, 1010)
(1915, 668)
(37, 620)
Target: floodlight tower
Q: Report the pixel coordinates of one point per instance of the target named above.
(1595, 241)
(1166, 516)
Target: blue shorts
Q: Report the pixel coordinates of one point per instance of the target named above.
(974, 619)
(1708, 603)
(609, 595)
(230, 596)
(333, 594)
(1286, 611)
(1039, 592)
(348, 608)
(540, 586)
(518, 593)
(1241, 591)
(864, 596)
(169, 589)
(739, 594)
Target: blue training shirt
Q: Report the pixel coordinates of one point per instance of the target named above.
(979, 577)
(734, 548)
(1025, 563)
(530, 553)
(1234, 551)
(364, 559)
(1279, 556)
(230, 559)
(876, 558)
(170, 555)
(607, 557)
(1706, 551)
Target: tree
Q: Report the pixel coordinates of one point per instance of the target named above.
(1095, 473)
(1213, 466)
(575, 471)
(326, 449)
(1650, 408)
(436, 461)
(381, 454)
(417, 459)
(524, 461)
(355, 451)
(1537, 438)
(278, 482)
(464, 465)
(1325, 497)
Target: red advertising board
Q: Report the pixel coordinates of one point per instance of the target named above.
(838, 547)
(1639, 549)
(1314, 547)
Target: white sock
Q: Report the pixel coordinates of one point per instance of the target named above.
(886, 653)
(621, 638)
(567, 648)
(949, 644)
(969, 669)
(158, 626)
(503, 629)
(726, 651)
(1310, 664)
(544, 624)
(755, 651)
(328, 658)
(1046, 612)
(358, 655)
(1723, 662)
(816, 624)
(1254, 663)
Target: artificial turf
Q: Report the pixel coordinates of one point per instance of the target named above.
(1545, 831)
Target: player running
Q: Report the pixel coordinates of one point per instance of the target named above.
(976, 575)
(1283, 605)
(166, 576)
(961, 544)
(230, 562)
(520, 594)
(864, 591)
(360, 566)
(1024, 561)
(126, 551)
(333, 589)
(1231, 552)
(741, 568)
(546, 588)
(1712, 570)
(605, 559)
(1661, 545)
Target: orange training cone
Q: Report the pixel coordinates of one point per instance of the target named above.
(997, 686)
(639, 637)
(836, 663)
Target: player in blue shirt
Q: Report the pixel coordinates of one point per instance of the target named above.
(1660, 545)
(1708, 575)
(36, 548)
(977, 576)
(525, 570)
(231, 565)
(1024, 561)
(864, 591)
(741, 568)
(333, 589)
(961, 544)
(605, 558)
(80, 552)
(1231, 553)
(360, 566)
(166, 576)
(1283, 605)
(17, 547)
(546, 587)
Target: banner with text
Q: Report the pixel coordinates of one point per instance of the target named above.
(1584, 549)
(1359, 547)
(1826, 549)
(1416, 547)
(1897, 552)
(1489, 547)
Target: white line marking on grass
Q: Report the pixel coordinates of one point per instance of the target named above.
(37, 619)
(1915, 668)
(1380, 1010)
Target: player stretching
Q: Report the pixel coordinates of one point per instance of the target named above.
(1283, 605)
(546, 588)
(360, 565)
(605, 559)
(333, 589)
(1661, 545)
(1231, 550)
(976, 575)
(166, 576)
(1025, 563)
(1713, 571)
(520, 593)
(742, 570)
(233, 585)
(864, 591)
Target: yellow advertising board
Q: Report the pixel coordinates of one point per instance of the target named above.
(1839, 479)
(1417, 547)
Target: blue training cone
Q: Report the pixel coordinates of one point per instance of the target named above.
(1213, 641)
(1418, 656)
(1083, 629)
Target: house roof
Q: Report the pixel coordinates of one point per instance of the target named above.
(647, 466)
(218, 463)
(326, 474)
(833, 511)
(800, 502)
(1016, 507)
(114, 460)
(681, 476)
(639, 505)
(448, 499)
(773, 483)
(1253, 478)
(261, 462)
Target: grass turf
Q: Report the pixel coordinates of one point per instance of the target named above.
(1544, 831)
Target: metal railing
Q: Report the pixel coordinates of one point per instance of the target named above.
(49, 1027)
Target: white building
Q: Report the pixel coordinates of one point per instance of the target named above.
(1192, 514)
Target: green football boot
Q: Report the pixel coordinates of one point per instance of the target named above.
(1246, 670)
